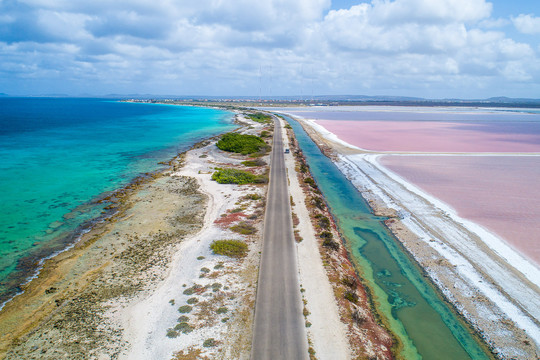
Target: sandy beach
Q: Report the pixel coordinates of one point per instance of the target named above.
(493, 286)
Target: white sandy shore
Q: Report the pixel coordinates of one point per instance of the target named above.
(146, 320)
(495, 287)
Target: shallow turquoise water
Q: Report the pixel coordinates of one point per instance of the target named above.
(56, 155)
(425, 324)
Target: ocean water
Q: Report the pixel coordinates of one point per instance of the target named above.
(58, 155)
(425, 324)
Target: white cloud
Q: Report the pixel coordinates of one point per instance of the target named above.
(527, 24)
(430, 11)
(218, 46)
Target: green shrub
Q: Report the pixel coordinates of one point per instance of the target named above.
(185, 309)
(233, 176)
(318, 202)
(252, 197)
(244, 228)
(231, 248)
(260, 117)
(310, 182)
(192, 300)
(183, 327)
(324, 222)
(171, 333)
(216, 286)
(256, 162)
(265, 133)
(242, 144)
(351, 296)
(209, 343)
(349, 281)
(331, 244)
(222, 310)
(183, 318)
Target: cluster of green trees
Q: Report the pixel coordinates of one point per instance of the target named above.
(260, 117)
(242, 144)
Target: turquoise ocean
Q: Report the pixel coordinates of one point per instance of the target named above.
(58, 155)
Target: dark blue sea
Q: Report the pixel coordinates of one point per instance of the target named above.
(57, 155)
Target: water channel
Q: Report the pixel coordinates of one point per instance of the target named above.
(415, 312)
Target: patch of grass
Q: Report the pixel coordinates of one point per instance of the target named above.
(224, 320)
(244, 228)
(287, 126)
(185, 309)
(171, 333)
(265, 133)
(242, 144)
(222, 310)
(256, 162)
(205, 270)
(231, 248)
(192, 300)
(218, 266)
(200, 257)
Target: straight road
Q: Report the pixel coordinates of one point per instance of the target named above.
(279, 331)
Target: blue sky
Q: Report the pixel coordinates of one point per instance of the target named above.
(427, 48)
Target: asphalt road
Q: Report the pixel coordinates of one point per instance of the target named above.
(279, 327)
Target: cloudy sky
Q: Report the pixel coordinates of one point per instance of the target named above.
(427, 48)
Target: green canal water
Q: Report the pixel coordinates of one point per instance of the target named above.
(415, 313)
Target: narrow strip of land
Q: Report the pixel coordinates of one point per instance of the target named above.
(279, 330)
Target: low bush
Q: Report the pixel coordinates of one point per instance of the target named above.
(324, 222)
(260, 117)
(252, 197)
(209, 343)
(255, 162)
(183, 318)
(185, 309)
(231, 248)
(244, 228)
(192, 300)
(171, 333)
(331, 244)
(241, 144)
(233, 176)
(349, 281)
(183, 327)
(318, 202)
(222, 310)
(310, 182)
(351, 296)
